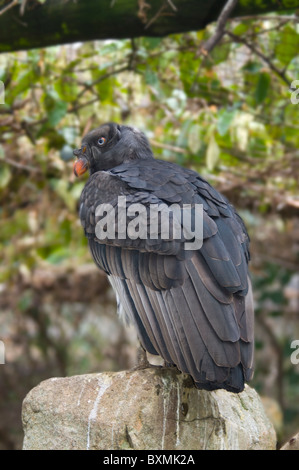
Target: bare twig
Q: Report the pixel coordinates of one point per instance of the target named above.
(156, 16)
(7, 121)
(9, 6)
(172, 5)
(23, 6)
(255, 34)
(88, 125)
(142, 12)
(267, 17)
(28, 132)
(72, 109)
(242, 156)
(82, 105)
(292, 202)
(133, 56)
(168, 147)
(159, 13)
(89, 86)
(17, 20)
(208, 45)
(21, 166)
(266, 59)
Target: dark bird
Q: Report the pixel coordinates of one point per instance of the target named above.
(190, 302)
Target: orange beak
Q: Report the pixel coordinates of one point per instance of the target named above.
(80, 166)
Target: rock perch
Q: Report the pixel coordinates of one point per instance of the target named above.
(151, 409)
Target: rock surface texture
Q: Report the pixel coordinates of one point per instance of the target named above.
(151, 409)
(292, 444)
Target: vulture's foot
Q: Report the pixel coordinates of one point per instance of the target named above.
(142, 361)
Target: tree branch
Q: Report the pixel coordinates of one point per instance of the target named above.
(9, 6)
(172, 148)
(267, 17)
(220, 28)
(89, 86)
(22, 166)
(256, 51)
(59, 22)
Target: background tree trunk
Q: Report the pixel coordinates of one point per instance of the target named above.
(31, 24)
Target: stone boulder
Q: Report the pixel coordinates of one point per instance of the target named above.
(292, 444)
(150, 409)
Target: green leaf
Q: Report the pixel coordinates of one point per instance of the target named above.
(66, 89)
(225, 119)
(106, 89)
(65, 231)
(26, 300)
(151, 43)
(241, 29)
(58, 255)
(77, 190)
(55, 139)
(262, 87)
(194, 138)
(57, 113)
(151, 77)
(252, 67)
(61, 188)
(23, 84)
(287, 45)
(110, 47)
(5, 175)
(212, 154)
(220, 53)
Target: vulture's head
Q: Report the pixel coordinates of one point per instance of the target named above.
(108, 146)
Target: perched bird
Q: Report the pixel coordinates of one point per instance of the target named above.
(190, 303)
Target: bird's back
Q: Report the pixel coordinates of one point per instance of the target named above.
(192, 307)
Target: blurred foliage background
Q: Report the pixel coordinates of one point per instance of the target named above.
(229, 115)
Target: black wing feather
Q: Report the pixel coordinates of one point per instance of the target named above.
(195, 309)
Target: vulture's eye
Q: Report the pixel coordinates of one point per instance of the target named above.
(101, 141)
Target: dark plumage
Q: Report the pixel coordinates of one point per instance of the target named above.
(192, 307)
